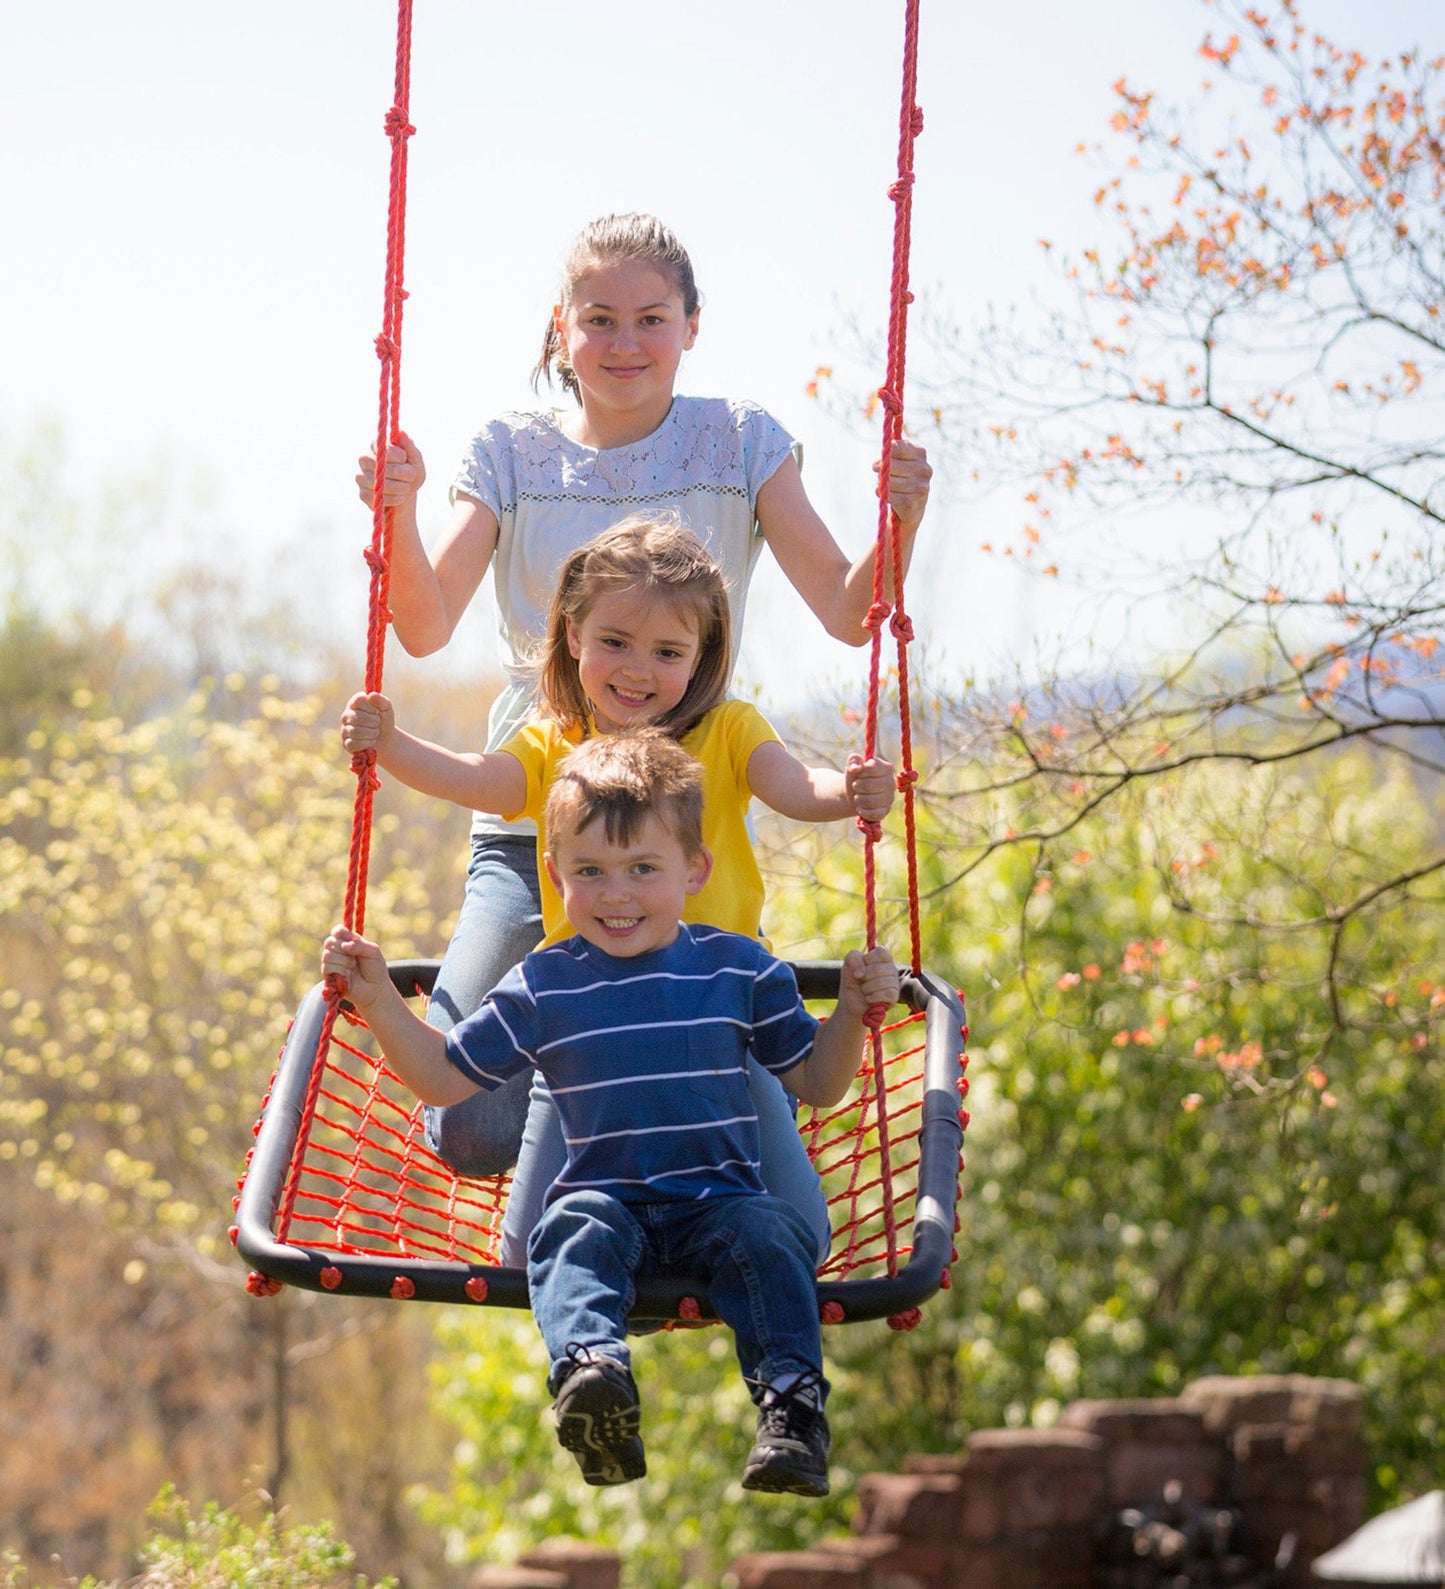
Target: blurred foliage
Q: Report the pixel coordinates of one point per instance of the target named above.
(1206, 1100)
(163, 887)
(218, 1550)
(166, 876)
(512, 1486)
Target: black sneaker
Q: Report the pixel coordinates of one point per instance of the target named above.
(598, 1417)
(790, 1454)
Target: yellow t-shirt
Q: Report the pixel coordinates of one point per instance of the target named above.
(721, 743)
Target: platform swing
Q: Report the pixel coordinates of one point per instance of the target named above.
(341, 1192)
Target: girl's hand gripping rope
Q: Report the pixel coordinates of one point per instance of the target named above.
(405, 473)
(870, 786)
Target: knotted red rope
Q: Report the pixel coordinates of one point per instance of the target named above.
(399, 129)
(889, 546)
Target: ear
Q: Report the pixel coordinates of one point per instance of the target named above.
(559, 325)
(552, 871)
(691, 336)
(574, 638)
(699, 869)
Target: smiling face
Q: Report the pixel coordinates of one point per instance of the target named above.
(625, 898)
(623, 331)
(635, 657)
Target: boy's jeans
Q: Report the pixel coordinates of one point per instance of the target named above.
(756, 1252)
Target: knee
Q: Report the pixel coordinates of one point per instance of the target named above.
(790, 1229)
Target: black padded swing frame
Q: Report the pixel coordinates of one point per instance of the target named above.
(659, 1297)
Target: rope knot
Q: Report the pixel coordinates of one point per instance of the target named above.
(898, 189)
(877, 615)
(891, 399)
(915, 120)
(906, 779)
(874, 1016)
(396, 124)
(871, 830)
(375, 561)
(363, 764)
(386, 349)
(902, 626)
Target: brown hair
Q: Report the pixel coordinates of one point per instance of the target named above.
(624, 779)
(654, 556)
(611, 240)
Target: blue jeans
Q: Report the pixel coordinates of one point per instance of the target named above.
(500, 922)
(755, 1252)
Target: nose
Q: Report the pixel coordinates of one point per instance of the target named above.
(624, 339)
(615, 890)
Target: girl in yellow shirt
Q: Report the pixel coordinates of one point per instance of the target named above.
(639, 636)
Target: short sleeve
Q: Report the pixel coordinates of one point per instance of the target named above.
(484, 470)
(533, 746)
(783, 1030)
(746, 728)
(766, 445)
(499, 1040)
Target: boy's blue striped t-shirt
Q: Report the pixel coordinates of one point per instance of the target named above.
(645, 1057)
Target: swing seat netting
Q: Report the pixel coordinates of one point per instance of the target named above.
(343, 1194)
(341, 1191)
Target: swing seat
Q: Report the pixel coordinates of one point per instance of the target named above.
(342, 1193)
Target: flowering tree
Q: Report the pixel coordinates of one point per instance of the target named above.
(1260, 340)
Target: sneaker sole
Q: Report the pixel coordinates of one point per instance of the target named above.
(779, 1479)
(590, 1429)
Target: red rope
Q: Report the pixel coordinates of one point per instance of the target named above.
(378, 552)
(890, 544)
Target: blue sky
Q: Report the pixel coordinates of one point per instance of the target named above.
(196, 193)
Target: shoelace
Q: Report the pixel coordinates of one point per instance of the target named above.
(780, 1411)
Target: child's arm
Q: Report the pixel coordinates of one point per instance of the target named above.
(414, 1050)
(824, 1077)
(839, 594)
(428, 593)
(818, 794)
(491, 781)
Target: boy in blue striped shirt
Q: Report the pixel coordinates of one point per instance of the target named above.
(640, 1027)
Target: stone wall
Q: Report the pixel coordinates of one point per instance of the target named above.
(1031, 1508)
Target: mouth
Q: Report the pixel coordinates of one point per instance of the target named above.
(626, 372)
(619, 923)
(632, 700)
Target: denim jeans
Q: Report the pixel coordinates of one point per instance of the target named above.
(500, 922)
(756, 1253)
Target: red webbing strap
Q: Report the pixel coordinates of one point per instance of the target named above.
(378, 553)
(890, 543)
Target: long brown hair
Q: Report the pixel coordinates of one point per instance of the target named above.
(612, 240)
(651, 555)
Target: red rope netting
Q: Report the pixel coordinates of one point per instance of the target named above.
(362, 1180)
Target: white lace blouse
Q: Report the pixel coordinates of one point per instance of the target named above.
(706, 462)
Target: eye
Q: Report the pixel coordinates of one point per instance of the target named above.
(598, 320)
(644, 869)
(612, 642)
(588, 871)
(652, 320)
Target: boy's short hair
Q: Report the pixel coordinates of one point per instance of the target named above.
(626, 778)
